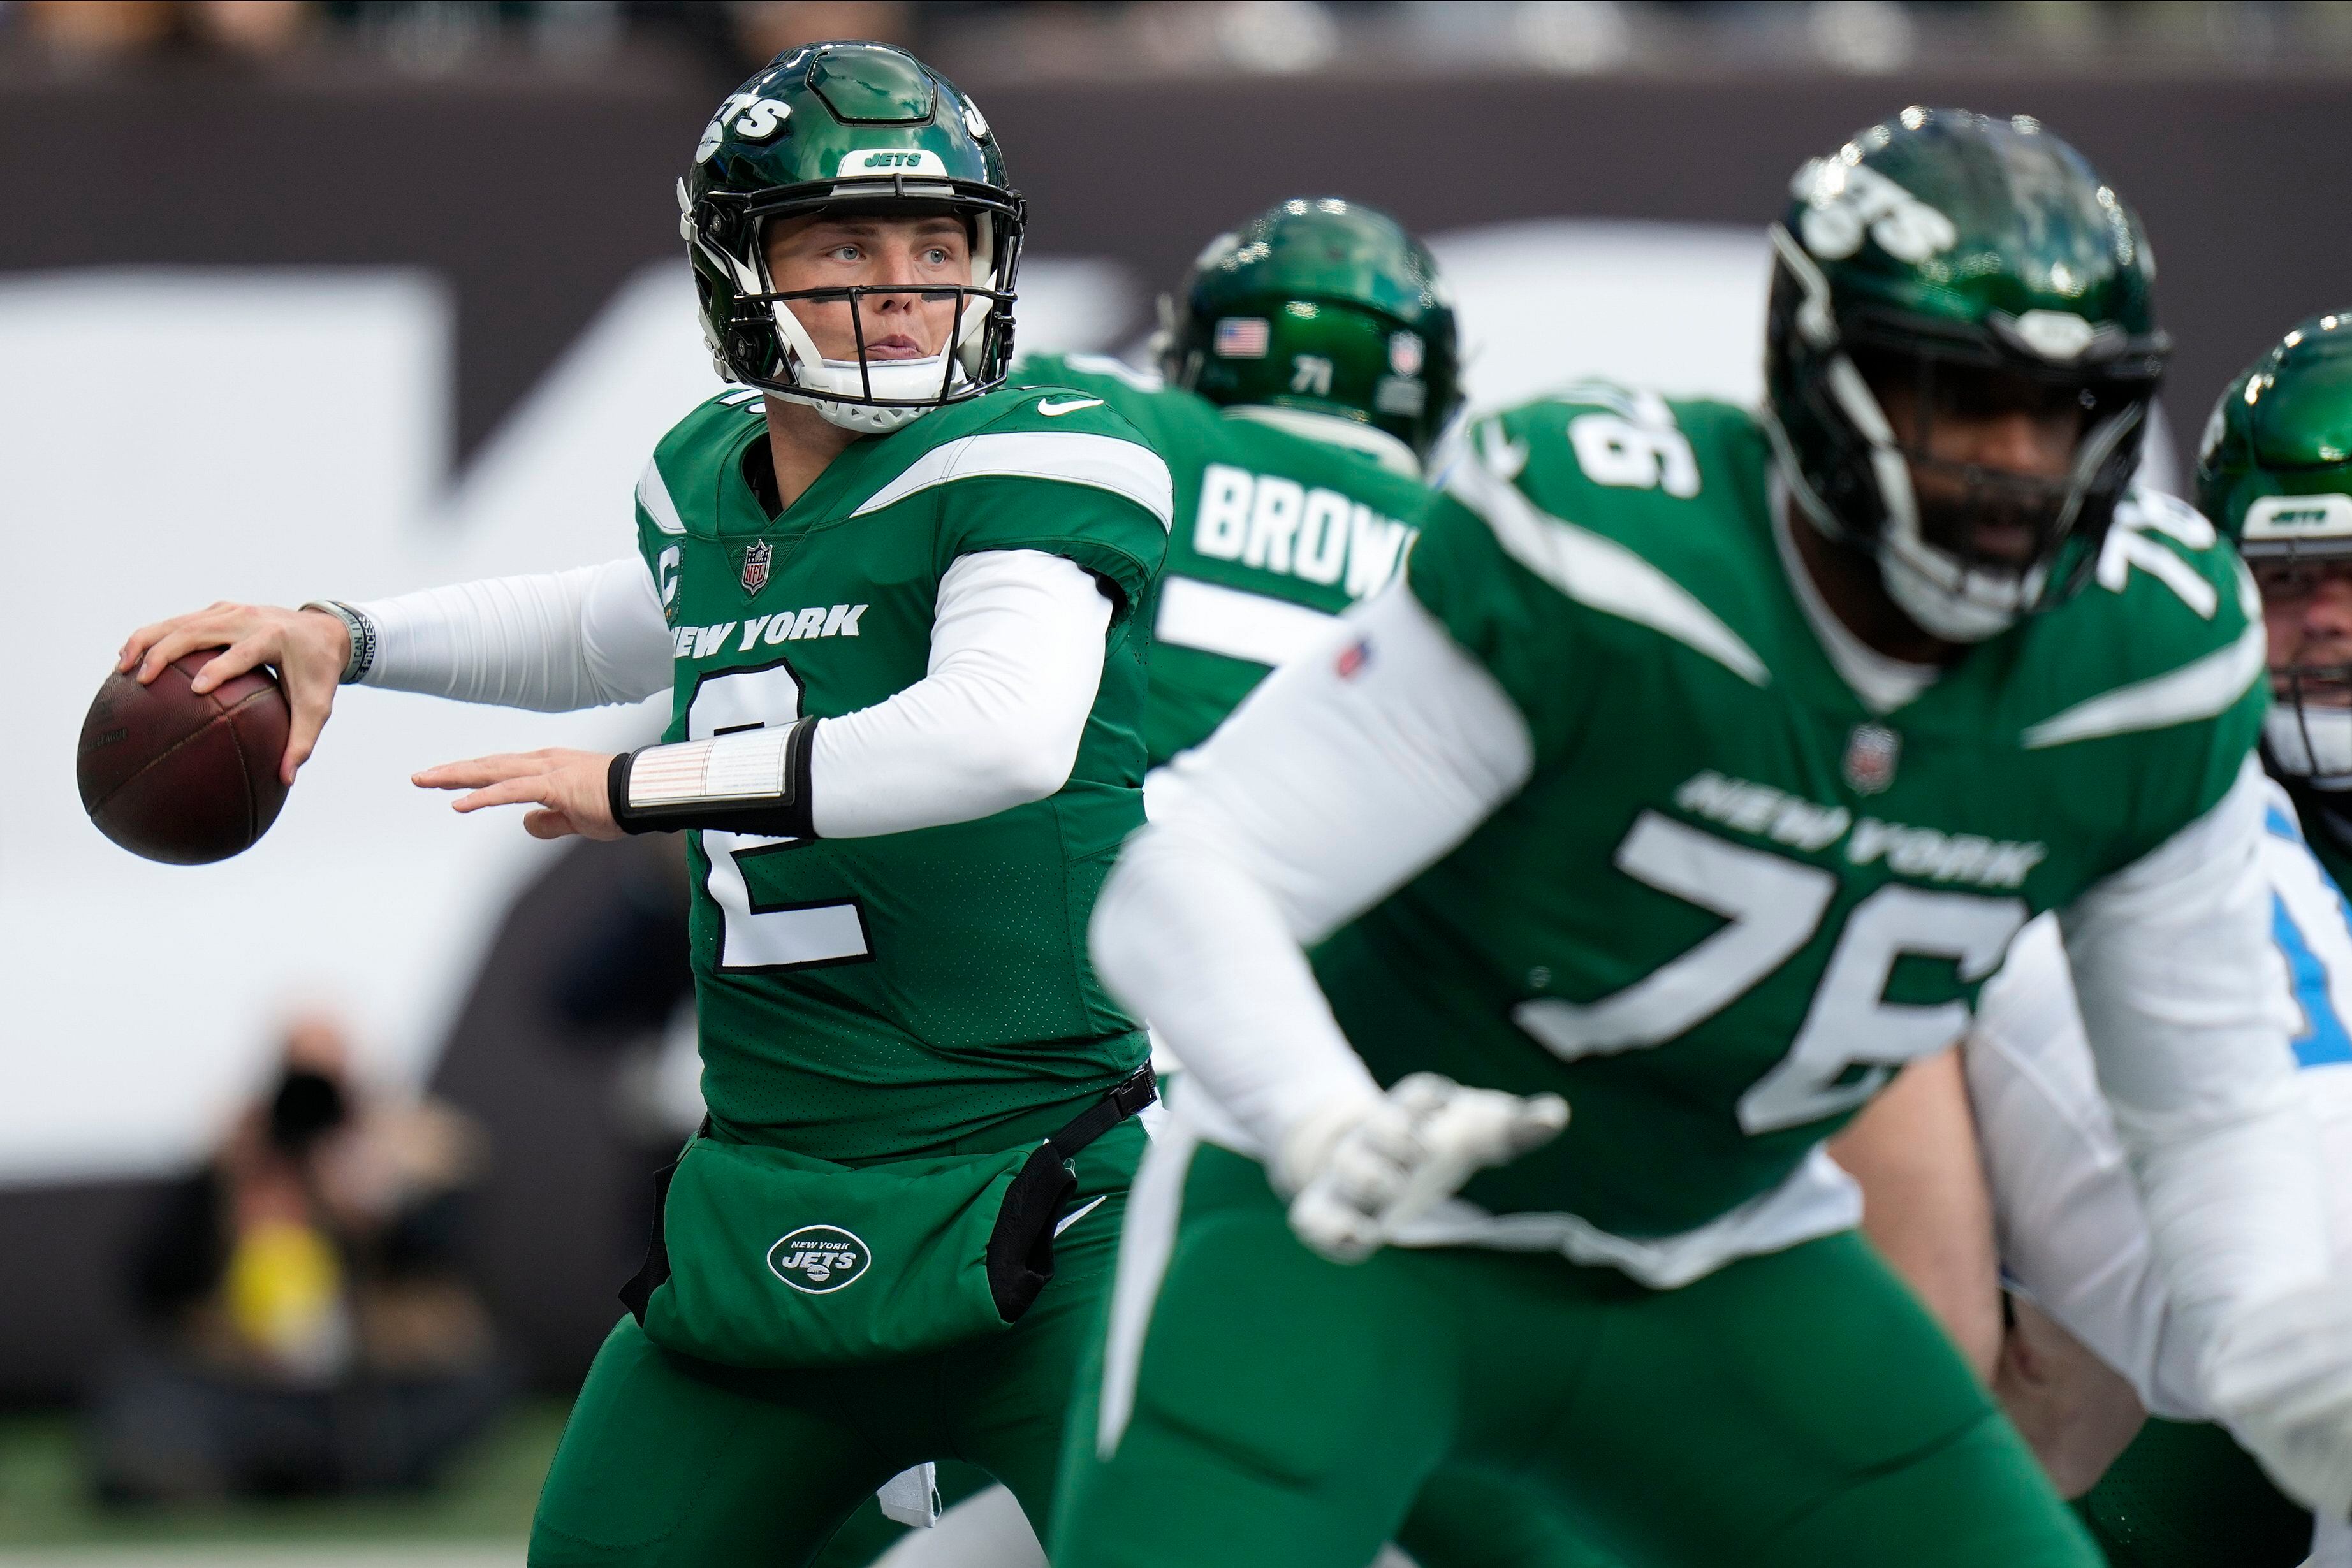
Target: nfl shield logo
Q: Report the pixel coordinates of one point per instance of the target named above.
(1404, 353)
(1870, 755)
(1242, 337)
(755, 565)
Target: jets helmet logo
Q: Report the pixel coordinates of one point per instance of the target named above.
(750, 116)
(818, 1260)
(1844, 201)
(756, 557)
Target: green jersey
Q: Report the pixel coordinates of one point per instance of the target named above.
(1732, 897)
(866, 997)
(1274, 535)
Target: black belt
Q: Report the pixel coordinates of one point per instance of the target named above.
(1129, 1096)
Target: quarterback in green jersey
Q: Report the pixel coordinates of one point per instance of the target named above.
(889, 1240)
(1699, 770)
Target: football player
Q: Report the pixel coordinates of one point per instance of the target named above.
(1306, 372)
(1697, 773)
(2275, 474)
(896, 832)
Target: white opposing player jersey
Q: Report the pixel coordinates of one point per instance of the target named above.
(2314, 931)
(2068, 1221)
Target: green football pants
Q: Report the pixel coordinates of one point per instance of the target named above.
(1797, 1410)
(669, 1462)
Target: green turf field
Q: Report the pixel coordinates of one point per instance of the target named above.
(480, 1515)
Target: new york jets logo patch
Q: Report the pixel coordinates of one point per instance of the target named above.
(1871, 753)
(818, 1260)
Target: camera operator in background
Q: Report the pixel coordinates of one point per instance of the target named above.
(306, 1326)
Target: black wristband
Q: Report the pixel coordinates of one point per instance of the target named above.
(787, 815)
(616, 795)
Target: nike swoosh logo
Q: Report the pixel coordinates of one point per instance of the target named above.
(1075, 1215)
(1049, 408)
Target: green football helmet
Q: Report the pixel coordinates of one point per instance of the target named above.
(1322, 307)
(866, 128)
(1982, 263)
(2274, 471)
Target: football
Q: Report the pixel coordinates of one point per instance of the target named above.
(180, 778)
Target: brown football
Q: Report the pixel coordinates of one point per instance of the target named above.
(179, 778)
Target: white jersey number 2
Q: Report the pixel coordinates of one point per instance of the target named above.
(1773, 904)
(764, 936)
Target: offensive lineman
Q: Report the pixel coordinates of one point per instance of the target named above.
(2273, 474)
(899, 830)
(1694, 775)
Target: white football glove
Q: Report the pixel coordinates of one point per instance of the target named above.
(1360, 1171)
(2281, 1376)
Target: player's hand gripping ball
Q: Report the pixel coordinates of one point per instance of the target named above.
(182, 777)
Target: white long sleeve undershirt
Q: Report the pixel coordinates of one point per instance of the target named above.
(995, 722)
(1321, 794)
(551, 642)
(1015, 662)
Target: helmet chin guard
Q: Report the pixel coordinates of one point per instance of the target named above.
(890, 392)
(2311, 743)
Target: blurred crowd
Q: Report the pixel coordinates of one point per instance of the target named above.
(1000, 39)
(354, 1283)
(306, 1320)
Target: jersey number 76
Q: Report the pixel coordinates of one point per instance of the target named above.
(1773, 905)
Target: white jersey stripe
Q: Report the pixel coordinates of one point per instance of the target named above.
(1076, 457)
(653, 495)
(1600, 572)
(2199, 689)
(1238, 625)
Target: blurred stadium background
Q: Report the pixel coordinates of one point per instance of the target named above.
(360, 295)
